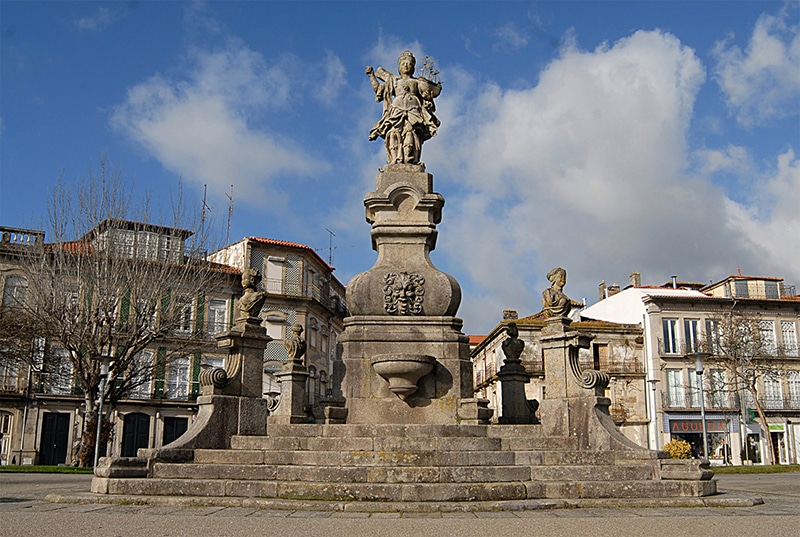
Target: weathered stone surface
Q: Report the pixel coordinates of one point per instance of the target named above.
(251, 489)
(215, 471)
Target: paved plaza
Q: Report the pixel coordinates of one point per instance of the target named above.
(25, 512)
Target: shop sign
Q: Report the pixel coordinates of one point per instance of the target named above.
(696, 426)
(776, 427)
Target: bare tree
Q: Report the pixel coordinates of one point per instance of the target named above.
(110, 284)
(740, 346)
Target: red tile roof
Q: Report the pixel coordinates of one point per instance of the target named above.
(287, 244)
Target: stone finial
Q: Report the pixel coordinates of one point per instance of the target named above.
(555, 303)
(408, 117)
(510, 315)
(513, 346)
(252, 300)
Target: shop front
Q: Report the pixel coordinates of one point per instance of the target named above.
(721, 434)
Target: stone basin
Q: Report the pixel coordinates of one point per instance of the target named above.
(403, 371)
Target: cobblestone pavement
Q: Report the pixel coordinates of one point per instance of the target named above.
(24, 512)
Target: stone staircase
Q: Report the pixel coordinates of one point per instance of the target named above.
(408, 463)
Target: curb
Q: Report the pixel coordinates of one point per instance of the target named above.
(720, 501)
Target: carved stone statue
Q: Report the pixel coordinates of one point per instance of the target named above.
(408, 117)
(554, 301)
(295, 344)
(252, 300)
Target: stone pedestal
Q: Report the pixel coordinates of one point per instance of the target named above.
(516, 408)
(405, 357)
(292, 405)
(560, 345)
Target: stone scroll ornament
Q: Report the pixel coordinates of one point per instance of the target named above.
(403, 293)
(408, 117)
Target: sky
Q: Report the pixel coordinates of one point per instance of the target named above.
(605, 137)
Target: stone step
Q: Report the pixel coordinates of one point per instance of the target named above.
(356, 458)
(297, 490)
(638, 472)
(405, 492)
(337, 474)
(355, 443)
(628, 489)
(375, 431)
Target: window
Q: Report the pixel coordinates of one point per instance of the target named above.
(213, 362)
(313, 333)
(766, 330)
(14, 291)
(59, 373)
(691, 331)
(178, 379)
(712, 336)
(184, 315)
(217, 315)
(670, 327)
(717, 387)
(771, 290)
(141, 372)
(773, 398)
(276, 323)
(789, 337)
(741, 290)
(793, 385)
(274, 279)
(675, 393)
(694, 388)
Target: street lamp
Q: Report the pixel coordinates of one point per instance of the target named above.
(104, 363)
(698, 369)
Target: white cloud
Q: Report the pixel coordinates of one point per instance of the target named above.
(102, 19)
(510, 38)
(733, 158)
(588, 170)
(763, 82)
(201, 126)
(770, 222)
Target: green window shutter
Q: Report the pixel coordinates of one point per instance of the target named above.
(161, 372)
(200, 317)
(125, 308)
(165, 300)
(196, 362)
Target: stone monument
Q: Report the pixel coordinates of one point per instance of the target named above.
(406, 359)
(411, 430)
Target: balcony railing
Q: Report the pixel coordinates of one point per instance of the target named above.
(686, 400)
(621, 366)
(280, 287)
(12, 384)
(787, 402)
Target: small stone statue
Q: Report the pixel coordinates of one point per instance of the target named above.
(295, 344)
(512, 346)
(555, 303)
(408, 117)
(252, 300)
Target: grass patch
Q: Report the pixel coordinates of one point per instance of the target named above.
(45, 470)
(757, 469)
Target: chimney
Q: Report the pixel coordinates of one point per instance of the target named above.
(636, 279)
(602, 289)
(510, 315)
(613, 289)
(674, 282)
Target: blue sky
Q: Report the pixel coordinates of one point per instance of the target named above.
(604, 137)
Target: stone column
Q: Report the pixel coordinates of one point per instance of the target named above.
(406, 359)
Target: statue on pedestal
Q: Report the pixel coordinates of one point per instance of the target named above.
(554, 302)
(295, 344)
(408, 117)
(252, 300)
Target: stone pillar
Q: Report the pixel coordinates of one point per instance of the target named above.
(516, 409)
(563, 377)
(406, 359)
(292, 405)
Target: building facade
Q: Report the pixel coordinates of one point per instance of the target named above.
(679, 320)
(301, 289)
(42, 408)
(615, 349)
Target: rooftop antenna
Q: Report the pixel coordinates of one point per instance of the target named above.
(230, 213)
(330, 246)
(205, 208)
